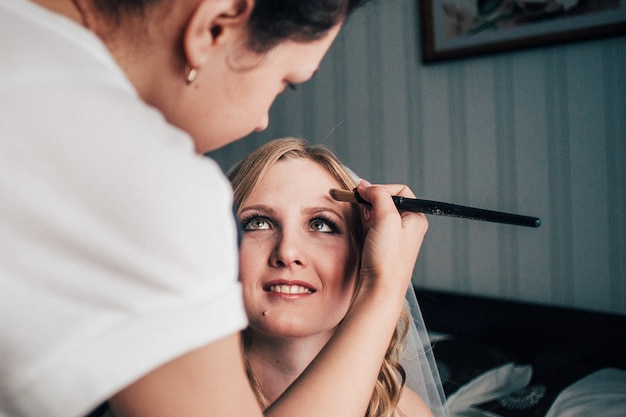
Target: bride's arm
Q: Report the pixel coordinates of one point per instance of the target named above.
(411, 405)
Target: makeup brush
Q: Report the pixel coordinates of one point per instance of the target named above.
(442, 209)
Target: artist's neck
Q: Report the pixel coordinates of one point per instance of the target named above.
(277, 362)
(67, 8)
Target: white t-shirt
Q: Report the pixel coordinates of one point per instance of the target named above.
(117, 241)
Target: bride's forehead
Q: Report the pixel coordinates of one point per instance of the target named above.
(297, 183)
(299, 172)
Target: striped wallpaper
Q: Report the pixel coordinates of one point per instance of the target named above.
(540, 132)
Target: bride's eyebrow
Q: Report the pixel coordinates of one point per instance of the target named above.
(257, 207)
(317, 210)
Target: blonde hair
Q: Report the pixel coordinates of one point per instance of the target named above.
(244, 177)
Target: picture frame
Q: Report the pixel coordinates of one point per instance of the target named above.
(453, 29)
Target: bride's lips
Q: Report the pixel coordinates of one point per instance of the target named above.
(286, 288)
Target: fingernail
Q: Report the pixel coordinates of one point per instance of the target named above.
(366, 213)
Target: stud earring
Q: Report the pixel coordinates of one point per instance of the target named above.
(191, 74)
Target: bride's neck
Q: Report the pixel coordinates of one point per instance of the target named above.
(277, 363)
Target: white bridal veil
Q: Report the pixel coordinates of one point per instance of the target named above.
(419, 363)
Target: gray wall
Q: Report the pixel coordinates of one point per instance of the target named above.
(539, 132)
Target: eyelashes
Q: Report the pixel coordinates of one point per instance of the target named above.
(325, 221)
(252, 222)
(319, 223)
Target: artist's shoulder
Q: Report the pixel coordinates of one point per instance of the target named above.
(411, 405)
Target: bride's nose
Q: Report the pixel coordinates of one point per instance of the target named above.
(288, 251)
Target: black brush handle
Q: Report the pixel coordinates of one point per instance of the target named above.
(453, 210)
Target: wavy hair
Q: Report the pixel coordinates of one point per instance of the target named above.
(244, 177)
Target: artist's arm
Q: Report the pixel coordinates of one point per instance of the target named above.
(341, 379)
(211, 380)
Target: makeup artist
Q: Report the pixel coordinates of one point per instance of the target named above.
(118, 263)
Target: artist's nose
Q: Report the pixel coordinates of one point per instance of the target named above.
(263, 123)
(288, 251)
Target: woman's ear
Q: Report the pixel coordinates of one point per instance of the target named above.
(212, 24)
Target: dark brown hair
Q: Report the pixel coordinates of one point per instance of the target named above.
(271, 21)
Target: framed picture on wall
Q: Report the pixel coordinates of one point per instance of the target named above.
(462, 28)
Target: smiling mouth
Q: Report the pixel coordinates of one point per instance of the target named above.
(289, 289)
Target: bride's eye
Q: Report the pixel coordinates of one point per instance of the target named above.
(255, 223)
(323, 225)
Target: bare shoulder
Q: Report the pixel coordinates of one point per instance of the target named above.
(411, 405)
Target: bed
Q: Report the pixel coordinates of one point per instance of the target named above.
(507, 358)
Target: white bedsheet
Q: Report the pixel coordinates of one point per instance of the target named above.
(600, 394)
